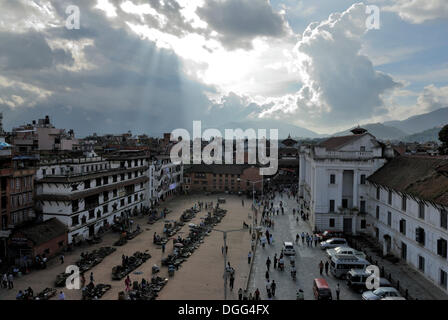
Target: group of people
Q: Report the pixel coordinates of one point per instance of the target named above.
(8, 281)
(244, 295)
(308, 238)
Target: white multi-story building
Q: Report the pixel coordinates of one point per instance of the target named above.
(166, 178)
(408, 205)
(332, 180)
(87, 193)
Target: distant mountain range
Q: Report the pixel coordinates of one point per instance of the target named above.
(416, 124)
(420, 128)
(284, 129)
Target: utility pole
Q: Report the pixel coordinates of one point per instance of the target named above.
(224, 236)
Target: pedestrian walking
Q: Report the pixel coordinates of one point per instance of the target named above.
(127, 283)
(10, 281)
(5, 281)
(268, 289)
(240, 294)
(231, 281)
(326, 267)
(315, 240)
(91, 277)
(273, 287)
(267, 275)
(61, 258)
(249, 257)
(257, 294)
(61, 295)
(83, 280)
(300, 295)
(268, 263)
(338, 291)
(275, 261)
(242, 202)
(163, 247)
(321, 267)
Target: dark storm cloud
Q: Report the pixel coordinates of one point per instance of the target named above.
(29, 51)
(240, 21)
(132, 84)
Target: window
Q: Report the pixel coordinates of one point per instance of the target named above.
(404, 251)
(75, 205)
(98, 182)
(443, 219)
(129, 199)
(363, 223)
(421, 263)
(122, 202)
(105, 209)
(420, 235)
(136, 197)
(378, 212)
(331, 205)
(332, 179)
(106, 195)
(122, 177)
(114, 178)
(403, 226)
(443, 279)
(115, 193)
(345, 203)
(403, 203)
(92, 214)
(75, 220)
(389, 218)
(105, 180)
(331, 223)
(363, 179)
(87, 184)
(378, 193)
(129, 175)
(442, 247)
(363, 206)
(421, 210)
(389, 198)
(363, 149)
(98, 214)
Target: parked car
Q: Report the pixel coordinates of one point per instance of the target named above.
(333, 243)
(328, 234)
(345, 251)
(357, 280)
(380, 293)
(288, 249)
(321, 289)
(394, 298)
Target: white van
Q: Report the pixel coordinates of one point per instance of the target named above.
(288, 249)
(340, 265)
(345, 251)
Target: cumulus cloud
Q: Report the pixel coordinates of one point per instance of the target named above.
(339, 83)
(238, 22)
(433, 98)
(419, 11)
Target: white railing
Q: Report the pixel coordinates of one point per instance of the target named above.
(345, 154)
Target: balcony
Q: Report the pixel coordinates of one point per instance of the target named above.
(343, 154)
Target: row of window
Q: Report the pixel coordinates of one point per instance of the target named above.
(21, 216)
(105, 180)
(333, 179)
(21, 199)
(105, 209)
(420, 234)
(21, 183)
(93, 201)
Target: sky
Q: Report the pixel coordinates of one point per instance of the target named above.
(151, 66)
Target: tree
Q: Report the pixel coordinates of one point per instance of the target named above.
(443, 137)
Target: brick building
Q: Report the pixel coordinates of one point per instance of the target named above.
(221, 178)
(49, 238)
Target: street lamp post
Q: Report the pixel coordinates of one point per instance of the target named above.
(224, 236)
